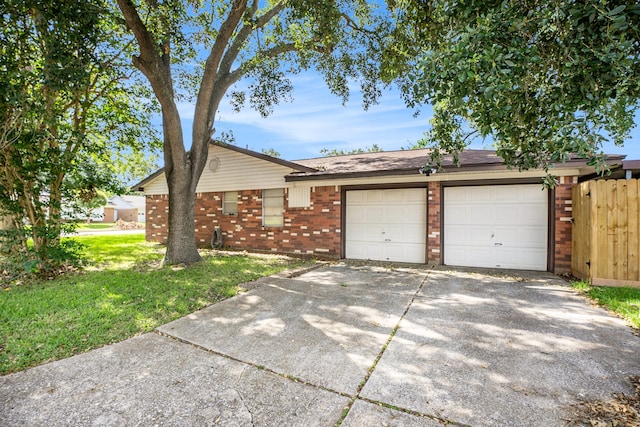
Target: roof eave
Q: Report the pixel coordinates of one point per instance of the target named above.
(614, 162)
(139, 187)
(261, 156)
(342, 175)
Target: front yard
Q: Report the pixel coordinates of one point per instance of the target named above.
(124, 291)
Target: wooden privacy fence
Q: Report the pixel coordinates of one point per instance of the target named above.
(606, 232)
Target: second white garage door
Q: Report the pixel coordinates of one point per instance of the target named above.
(386, 225)
(498, 226)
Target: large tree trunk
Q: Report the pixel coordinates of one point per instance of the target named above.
(181, 243)
(182, 182)
(182, 169)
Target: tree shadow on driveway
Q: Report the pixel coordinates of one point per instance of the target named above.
(484, 349)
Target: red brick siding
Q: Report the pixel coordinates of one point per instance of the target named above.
(156, 226)
(311, 230)
(316, 229)
(433, 223)
(562, 219)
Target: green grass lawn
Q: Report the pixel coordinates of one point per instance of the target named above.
(94, 226)
(624, 301)
(123, 292)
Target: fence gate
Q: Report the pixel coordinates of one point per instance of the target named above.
(606, 232)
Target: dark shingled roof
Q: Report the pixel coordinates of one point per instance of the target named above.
(402, 162)
(393, 160)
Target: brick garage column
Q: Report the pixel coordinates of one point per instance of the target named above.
(562, 220)
(434, 245)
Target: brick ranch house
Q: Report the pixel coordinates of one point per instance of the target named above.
(378, 206)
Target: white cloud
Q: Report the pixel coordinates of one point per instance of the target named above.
(316, 119)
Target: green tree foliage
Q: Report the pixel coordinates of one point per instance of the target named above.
(65, 106)
(543, 79)
(86, 205)
(334, 152)
(271, 152)
(199, 50)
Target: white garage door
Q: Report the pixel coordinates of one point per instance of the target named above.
(386, 225)
(500, 226)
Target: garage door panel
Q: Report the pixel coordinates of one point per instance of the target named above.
(525, 259)
(496, 226)
(456, 233)
(411, 215)
(405, 252)
(373, 216)
(386, 225)
(531, 192)
(354, 197)
(479, 194)
(469, 255)
(414, 195)
(464, 214)
(402, 233)
(469, 235)
(524, 237)
(395, 196)
(456, 216)
(357, 214)
(393, 213)
(366, 232)
(364, 250)
(506, 194)
(372, 196)
(480, 234)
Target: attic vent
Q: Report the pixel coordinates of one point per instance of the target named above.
(299, 197)
(214, 163)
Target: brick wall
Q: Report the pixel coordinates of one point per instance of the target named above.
(433, 223)
(157, 221)
(562, 218)
(316, 229)
(311, 230)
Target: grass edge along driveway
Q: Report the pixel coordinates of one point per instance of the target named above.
(122, 292)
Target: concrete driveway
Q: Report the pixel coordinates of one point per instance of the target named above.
(373, 344)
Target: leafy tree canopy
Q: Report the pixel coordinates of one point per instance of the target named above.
(67, 105)
(199, 50)
(543, 79)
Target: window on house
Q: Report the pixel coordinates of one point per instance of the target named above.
(272, 207)
(230, 203)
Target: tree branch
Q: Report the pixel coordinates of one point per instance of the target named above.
(203, 121)
(352, 24)
(148, 55)
(244, 33)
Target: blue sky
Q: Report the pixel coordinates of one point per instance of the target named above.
(316, 119)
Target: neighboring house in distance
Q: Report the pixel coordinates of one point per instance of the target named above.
(378, 206)
(125, 208)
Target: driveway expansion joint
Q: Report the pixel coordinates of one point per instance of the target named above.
(356, 396)
(259, 367)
